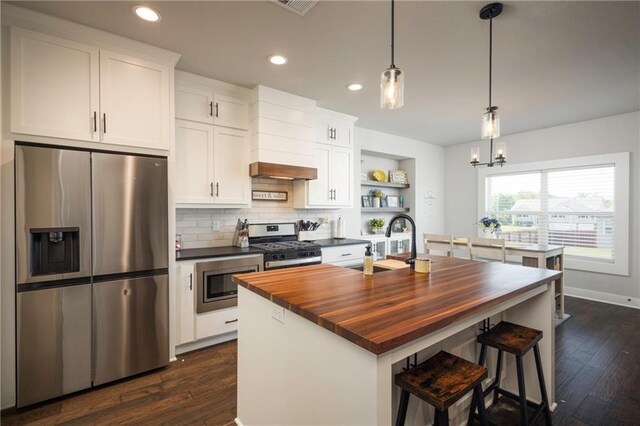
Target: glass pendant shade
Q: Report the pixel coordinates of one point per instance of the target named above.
(491, 124)
(501, 151)
(392, 88)
(475, 154)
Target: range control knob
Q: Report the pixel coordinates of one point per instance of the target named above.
(283, 256)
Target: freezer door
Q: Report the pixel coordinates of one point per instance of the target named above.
(53, 214)
(130, 210)
(131, 327)
(53, 342)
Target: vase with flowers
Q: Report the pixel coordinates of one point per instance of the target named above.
(376, 224)
(489, 224)
(376, 195)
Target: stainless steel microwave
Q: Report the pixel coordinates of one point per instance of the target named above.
(215, 289)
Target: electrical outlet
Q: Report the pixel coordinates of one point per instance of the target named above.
(278, 314)
(215, 225)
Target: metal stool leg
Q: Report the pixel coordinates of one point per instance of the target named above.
(497, 380)
(543, 389)
(481, 359)
(479, 400)
(441, 418)
(524, 419)
(402, 408)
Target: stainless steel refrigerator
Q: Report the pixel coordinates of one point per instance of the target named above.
(91, 269)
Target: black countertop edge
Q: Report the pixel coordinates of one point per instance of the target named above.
(336, 242)
(203, 253)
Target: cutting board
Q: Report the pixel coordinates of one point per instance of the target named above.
(390, 264)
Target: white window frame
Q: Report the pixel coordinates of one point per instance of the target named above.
(620, 264)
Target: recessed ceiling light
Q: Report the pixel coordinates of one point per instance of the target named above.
(354, 87)
(146, 13)
(277, 59)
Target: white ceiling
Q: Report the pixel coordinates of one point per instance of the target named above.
(554, 62)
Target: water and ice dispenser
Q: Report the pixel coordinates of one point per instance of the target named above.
(54, 251)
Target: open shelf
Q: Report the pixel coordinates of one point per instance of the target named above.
(384, 184)
(385, 209)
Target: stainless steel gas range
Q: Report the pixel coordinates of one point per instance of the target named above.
(280, 246)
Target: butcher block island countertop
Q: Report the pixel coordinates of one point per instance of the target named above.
(391, 308)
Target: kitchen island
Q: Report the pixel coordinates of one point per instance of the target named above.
(320, 344)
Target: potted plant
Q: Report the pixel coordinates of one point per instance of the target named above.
(376, 195)
(490, 224)
(377, 225)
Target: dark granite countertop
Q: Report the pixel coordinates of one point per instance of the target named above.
(203, 253)
(336, 242)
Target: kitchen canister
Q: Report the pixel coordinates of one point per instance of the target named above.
(423, 265)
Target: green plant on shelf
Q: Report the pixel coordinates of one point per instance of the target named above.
(376, 193)
(376, 222)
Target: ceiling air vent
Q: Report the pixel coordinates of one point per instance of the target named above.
(301, 7)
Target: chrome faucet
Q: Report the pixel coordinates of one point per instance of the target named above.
(414, 254)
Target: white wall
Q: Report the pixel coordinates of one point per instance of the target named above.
(620, 133)
(429, 178)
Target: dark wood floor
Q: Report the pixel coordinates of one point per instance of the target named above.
(597, 381)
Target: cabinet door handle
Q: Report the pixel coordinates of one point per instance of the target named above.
(190, 281)
(211, 189)
(95, 121)
(230, 321)
(211, 108)
(216, 110)
(347, 254)
(335, 194)
(217, 189)
(334, 133)
(104, 123)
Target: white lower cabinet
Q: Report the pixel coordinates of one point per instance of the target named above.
(351, 255)
(212, 166)
(216, 322)
(186, 302)
(190, 325)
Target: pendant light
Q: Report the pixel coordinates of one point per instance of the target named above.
(491, 118)
(392, 79)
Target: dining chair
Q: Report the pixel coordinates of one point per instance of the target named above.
(487, 248)
(438, 242)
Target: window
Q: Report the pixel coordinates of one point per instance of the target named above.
(582, 204)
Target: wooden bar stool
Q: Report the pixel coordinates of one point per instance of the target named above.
(517, 340)
(441, 381)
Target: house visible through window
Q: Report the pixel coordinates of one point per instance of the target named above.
(581, 204)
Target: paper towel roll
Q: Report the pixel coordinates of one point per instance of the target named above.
(339, 228)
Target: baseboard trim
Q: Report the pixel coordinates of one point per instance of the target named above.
(238, 421)
(203, 343)
(598, 296)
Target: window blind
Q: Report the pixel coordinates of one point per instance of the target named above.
(573, 207)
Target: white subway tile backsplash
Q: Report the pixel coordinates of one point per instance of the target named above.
(195, 225)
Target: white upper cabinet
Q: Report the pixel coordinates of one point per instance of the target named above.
(319, 190)
(334, 160)
(231, 166)
(334, 128)
(230, 112)
(198, 101)
(194, 163)
(212, 166)
(54, 86)
(334, 186)
(66, 89)
(133, 101)
(342, 170)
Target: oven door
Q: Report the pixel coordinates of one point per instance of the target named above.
(213, 281)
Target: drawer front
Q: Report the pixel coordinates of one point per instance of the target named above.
(343, 254)
(216, 322)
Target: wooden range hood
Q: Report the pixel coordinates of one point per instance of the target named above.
(282, 171)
